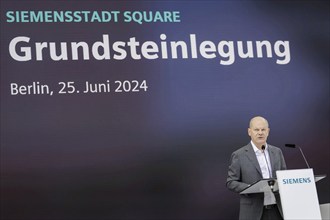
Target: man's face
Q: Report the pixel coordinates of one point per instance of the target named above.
(258, 132)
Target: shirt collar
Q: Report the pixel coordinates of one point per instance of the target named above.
(257, 149)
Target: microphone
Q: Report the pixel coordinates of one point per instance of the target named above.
(271, 182)
(295, 146)
(263, 151)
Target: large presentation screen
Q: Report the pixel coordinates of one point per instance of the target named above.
(131, 109)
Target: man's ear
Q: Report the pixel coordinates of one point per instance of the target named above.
(249, 132)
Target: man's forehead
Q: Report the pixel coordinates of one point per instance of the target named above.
(260, 127)
(259, 124)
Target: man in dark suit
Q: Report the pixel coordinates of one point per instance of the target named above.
(255, 161)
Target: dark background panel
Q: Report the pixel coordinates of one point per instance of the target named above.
(162, 154)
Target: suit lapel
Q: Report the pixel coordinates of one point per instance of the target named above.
(252, 157)
(271, 158)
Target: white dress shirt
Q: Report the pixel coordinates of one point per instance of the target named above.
(266, 170)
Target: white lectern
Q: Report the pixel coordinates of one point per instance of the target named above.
(298, 194)
(263, 185)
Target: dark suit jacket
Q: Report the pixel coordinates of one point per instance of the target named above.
(244, 170)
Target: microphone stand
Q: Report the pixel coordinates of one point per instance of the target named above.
(270, 182)
(302, 153)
